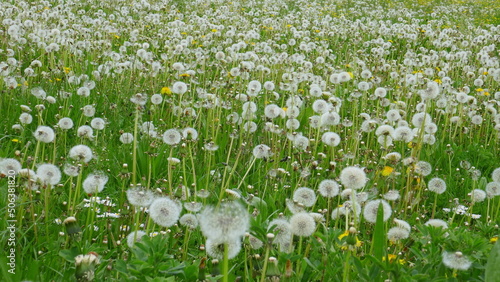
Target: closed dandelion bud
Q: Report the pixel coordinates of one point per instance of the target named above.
(85, 266)
(272, 267)
(72, 226)
(215, 268)
(202, 267)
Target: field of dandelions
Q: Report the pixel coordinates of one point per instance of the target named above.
(279, 140)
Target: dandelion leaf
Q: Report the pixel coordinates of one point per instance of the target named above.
(493, 265)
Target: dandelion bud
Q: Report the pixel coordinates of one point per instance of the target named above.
(85, 266)
(272, 268)
(72, 226)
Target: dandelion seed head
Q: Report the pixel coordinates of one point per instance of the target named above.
(137, 235)
(397, 234)
(353, 177)
(302, 224)
(49, 174)
(436, 185)
(228, 220)
(371, 209)
(305, 196)
(44, 134)
(189, 220)
(456, 260)
(140, 197)
(215, 247)
(81, 153)
(328, 188)
(164, 211)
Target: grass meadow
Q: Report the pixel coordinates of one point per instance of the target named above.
(157, 140)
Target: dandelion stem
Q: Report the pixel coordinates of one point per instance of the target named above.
(134, 152)
(225, 263)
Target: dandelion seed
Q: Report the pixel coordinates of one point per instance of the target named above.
(228, 220)
(164, 212)
(397, 234)
(189, 220)
(392, 195)
(262, 151)
(437, 223)
(172, 137)
(437, 185)
(305, 196)
(215, 247)
(302, 224)
(495, 175)
(139, 99)
(423, 168)
(85, 131)
(281, 230)
(137, 235)
(94, 183)
(98, 123)
(371, 209)
(330, 119)
(81, 153)
(294, 206)
(492, 189)
(328, 188)
(7, 166)
(65, 123)
(71, 170)
(190, 133)
(456, 261)
(140, 197)
(88, 111)
(179, 87)
(477, 195)
(127, 138)
(44, 134)
(353, 177)
(48, 174)
(25, 118)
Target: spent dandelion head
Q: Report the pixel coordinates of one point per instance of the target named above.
(305, 196)
(302, 224)
(228, 220)
(164, 211)
(353, 177)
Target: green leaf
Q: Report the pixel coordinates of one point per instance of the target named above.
(379, 235)
(492, 270)
(69, 255)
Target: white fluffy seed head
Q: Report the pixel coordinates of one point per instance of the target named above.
(164, 211)
(353, 177)
(328, 188)
(81, 153)
(302, 224)
(371, 209)
(228, 220)
(305, 196)
(456, 260)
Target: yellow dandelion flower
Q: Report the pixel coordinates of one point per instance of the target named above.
(486, 93)
(17, 141)
(494, 239)
(387, 171)
(285, 109)
(479, 89)
(66, 69)
(438, 80)
(214, 30)
(185, 75)
(343, 234)
(166, 90)
(350, 74)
